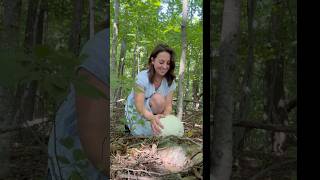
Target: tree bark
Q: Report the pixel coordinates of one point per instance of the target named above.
(195, 91)
(75, 33)
(30, 32)
(247, 80)
(183, 56)
(222, 130)
(9, 42)
(275, 109)
(134, 61)
(211, 84)
(28, 100)
(11, 23)
(123, 50)
(122, 57)
(115, 35)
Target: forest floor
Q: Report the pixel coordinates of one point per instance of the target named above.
(140, 157)
(29, 155)
(136, 157)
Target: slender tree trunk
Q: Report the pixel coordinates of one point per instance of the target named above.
(28, 102)
(122, 57)
(188, 79)
(91, 13)
(134, 61)
(121, 67)
(183, 56)
(195, 91)
(11, 23)
(30, 32)
(211, 84)
(139, 59)
(247, 79)
(115, 35)
(9, 42)
(222, 130)
(275, 109)
(75, 35)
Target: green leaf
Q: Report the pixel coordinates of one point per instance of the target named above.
(78, 155)
(63, 159)
(67, 142)
(157, 4)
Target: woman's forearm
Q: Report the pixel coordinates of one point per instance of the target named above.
(139, 103)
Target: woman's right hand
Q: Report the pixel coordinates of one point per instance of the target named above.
(156, 125)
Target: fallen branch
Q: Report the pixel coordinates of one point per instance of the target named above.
(260, 155)
(24, 125)
(271, 127)
(129, 176)
(139, 170)
(186, 138)
(194, 114)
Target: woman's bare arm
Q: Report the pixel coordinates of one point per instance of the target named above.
(93, 123)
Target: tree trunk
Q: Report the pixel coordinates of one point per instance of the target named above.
(91, 13)
(28, 101)
(275, 109)
(30, 32)
(188, 80)
(121, 67)
(139, 58)
(122, 57)
(115, 35)
(222, 130)
(211, 84)
(11, 23)
(195, 91)
(247, 80)
(183, 56)
(9, 41)
(134, 61)
(75, 33)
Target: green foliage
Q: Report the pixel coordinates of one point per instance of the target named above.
(160, 22)
(53, 70)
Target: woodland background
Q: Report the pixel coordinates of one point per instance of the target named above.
(253, 76)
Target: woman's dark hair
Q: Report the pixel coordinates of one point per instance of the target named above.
(170, 74)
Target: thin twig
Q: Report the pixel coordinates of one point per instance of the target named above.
(139, 170)
(194, 114)
(189, 139)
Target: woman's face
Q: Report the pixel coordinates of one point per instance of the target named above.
(161, 63)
